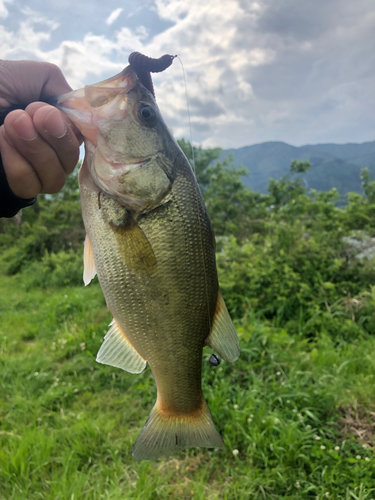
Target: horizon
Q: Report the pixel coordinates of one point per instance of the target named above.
(303, 145)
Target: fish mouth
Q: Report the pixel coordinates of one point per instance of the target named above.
(97, 94)
(99, 100)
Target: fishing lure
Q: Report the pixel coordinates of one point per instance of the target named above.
(144, 66)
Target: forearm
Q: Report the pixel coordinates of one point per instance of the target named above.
(10, 204)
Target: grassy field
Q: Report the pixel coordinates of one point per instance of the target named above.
(295, 414)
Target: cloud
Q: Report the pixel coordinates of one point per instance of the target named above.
(260, 70)
(26, 41)
(282, 69)
(173, 10)
(3, 10)
(94, 57)
(209, 108)
(84, 61)
(113, 16)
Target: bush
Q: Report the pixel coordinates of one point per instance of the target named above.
(60, 269)
(289, 257)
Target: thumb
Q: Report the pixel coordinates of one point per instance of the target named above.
(55, 83)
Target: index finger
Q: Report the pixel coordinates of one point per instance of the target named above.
(23, 82)
(35, 106)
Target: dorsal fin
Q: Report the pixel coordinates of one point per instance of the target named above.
(117, 351)
(89, 269)
(223, 336)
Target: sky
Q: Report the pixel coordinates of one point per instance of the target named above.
(298, 71)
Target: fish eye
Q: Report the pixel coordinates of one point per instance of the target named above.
(147, 115)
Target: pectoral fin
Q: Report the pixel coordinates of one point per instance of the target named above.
(117, 351)
(223, 336)
(134, 246)
(89, 270)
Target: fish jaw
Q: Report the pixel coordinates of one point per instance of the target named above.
(109, 177)
(87, 105)
(122, 147)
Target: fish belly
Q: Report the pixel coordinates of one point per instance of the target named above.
(163, 297)
(162, 294)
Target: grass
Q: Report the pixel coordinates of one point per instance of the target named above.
(295, 414)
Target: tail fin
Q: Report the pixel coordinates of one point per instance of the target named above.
(165, 434)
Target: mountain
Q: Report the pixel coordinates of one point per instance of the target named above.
(333, 165)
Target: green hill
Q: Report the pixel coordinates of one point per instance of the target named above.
(334, 165)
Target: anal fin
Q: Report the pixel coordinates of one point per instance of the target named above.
(223, 336)
(117, 351)
(89, 269)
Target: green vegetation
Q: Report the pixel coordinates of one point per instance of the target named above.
(296, 410)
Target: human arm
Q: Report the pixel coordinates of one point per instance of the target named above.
(39, 146)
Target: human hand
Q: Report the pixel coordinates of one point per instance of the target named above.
(39, 146)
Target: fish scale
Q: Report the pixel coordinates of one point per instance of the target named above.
(149, 239)
(154, 327)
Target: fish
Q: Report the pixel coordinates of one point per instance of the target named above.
(150, 241)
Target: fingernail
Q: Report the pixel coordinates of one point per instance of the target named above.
(24, 128)
(55, 125)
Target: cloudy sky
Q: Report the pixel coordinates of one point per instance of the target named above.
(299, 71)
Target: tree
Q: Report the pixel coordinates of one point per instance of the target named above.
(233, 208)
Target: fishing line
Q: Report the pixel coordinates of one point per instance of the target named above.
(188, 111)
(194, 170)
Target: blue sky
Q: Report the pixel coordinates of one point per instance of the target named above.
(298, 71)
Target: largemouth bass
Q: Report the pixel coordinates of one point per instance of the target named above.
(150, 241)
